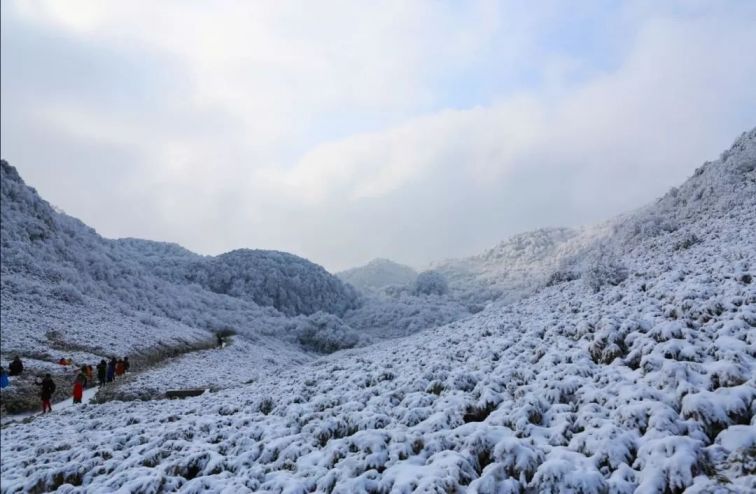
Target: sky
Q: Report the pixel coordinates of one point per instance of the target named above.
(345, 131)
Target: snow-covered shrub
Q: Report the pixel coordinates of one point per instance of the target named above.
(668, 464)
(649, 226)
(431, 283)
(387, 317)
(718, 409)
(518, 459)
(561, 276)
(567, 471)
(324, 333)
(603, 268)
(687, 241)
(66, 292)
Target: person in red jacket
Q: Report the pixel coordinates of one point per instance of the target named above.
(78, 389)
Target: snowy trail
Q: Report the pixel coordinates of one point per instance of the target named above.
(89, 393)
(238, 362)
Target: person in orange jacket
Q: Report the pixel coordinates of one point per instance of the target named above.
(79, 383)
(89, 372)
(120, 368)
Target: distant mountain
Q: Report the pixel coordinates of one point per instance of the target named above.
(518, 265)
(289, 283)
(378, 274)
(67, 289)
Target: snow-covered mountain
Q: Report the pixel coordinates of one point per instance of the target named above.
(632, 371)
(274, 279)
(378, 274)
(68, 291)
(518, 265)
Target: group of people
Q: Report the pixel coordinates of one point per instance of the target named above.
(16, 368)
(107, 371)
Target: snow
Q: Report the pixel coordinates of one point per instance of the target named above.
(738, 437)
(378, 274)
(65, 288)
(641, 384)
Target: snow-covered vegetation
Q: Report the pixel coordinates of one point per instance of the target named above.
(626, 364)
(378, 274)
(519, 265)
(63, 282)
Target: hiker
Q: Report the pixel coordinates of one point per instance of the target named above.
(90, 375)
(102, 371)
(16, 367)
(4, 381)
(220, 340)
(119, 370)
(126, 364)
(48, 388)
(111, 370)
(79, 383)
(62, 361)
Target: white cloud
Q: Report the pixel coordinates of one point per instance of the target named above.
(413, 130)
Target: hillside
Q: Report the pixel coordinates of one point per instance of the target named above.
(378, 274)
(518, 265)
(67, 291)
(637, 374)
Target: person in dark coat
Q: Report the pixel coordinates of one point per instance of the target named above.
(126, 364)
(111, 370)
(46, 393)
(16, 367)
(79, 383)
(102, 372)
(220, 340)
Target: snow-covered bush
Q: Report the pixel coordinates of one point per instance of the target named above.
(277, 279)
(649, 226)
(687, 241)
(561, 276)
(603, 268)
(402, 315)
(66, 292)
(324, 333)
(431, 283)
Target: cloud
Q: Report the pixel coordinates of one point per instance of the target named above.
(412, 130)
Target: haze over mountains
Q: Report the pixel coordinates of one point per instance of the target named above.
(167, 294)
(617, 358)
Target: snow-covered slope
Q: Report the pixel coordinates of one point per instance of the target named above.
(66, 291)
(638, 376)
(378, 274)
(274, 279)
(518, 265)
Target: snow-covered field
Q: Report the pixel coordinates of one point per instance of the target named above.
(634, 371)
(241, 361)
